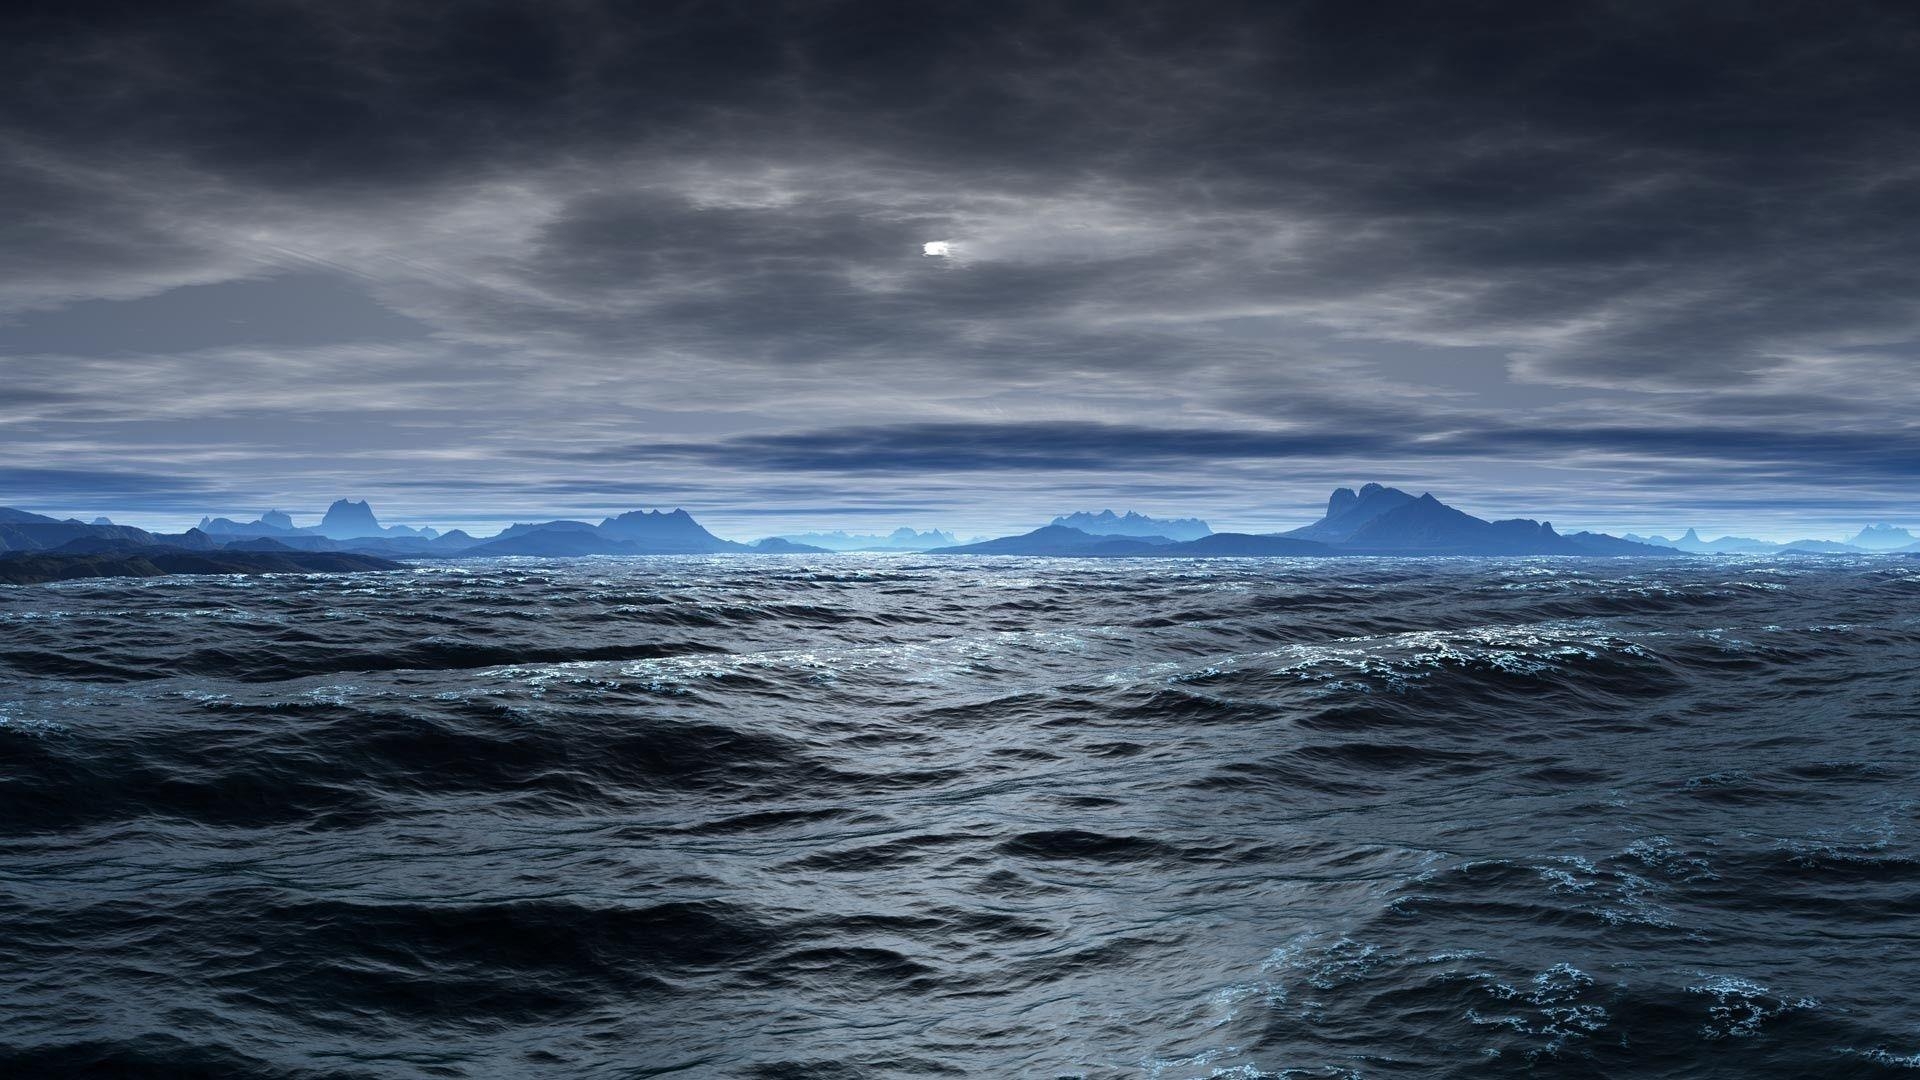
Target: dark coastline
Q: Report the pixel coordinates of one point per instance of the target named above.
(35, 567)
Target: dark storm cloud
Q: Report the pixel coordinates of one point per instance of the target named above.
(64, 238)
(1175, 230)
(1488, 138)
(369, 95)
(51, 216)
(1726, 453)
(916, 448)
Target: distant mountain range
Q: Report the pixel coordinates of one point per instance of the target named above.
(1884, 538)
(1107, 523)
(640, 532)
(344, 520)
(1873, 539)
(1375, 520)
(901, 539)
(72, 548)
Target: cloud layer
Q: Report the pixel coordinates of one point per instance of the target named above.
(1627, 262)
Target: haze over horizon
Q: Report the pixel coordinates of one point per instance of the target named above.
(967, 266)
(753, 527)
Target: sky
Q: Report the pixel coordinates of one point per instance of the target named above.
(1631, 266)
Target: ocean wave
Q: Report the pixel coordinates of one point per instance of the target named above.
(915, 816)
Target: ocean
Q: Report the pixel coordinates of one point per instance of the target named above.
(901, 816)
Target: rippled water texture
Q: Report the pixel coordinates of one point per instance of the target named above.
(907, 816)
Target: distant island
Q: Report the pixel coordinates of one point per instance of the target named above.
(1374, 520)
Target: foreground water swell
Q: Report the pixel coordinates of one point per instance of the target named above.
(907, 816)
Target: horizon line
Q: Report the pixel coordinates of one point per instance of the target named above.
(166, 522)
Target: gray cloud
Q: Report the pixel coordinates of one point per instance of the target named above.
(536, 244)
(1728, 453)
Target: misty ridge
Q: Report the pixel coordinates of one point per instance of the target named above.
(1374, 520)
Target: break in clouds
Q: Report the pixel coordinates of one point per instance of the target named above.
(969, 264)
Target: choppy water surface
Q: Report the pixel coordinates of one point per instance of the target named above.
(906, 816)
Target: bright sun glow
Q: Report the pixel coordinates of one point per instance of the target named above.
(940, 248)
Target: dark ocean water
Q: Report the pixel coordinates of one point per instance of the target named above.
(906, 816)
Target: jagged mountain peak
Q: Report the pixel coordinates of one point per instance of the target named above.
(1349, 511)
(1135, 524)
